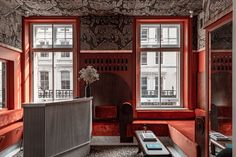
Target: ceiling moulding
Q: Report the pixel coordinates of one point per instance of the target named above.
(216, 9)
(10, 47)
(102, 7)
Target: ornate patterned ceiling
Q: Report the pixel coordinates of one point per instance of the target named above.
(100, 7)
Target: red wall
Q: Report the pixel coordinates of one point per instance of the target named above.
(201, 76)
(13, 76)
(10, 127)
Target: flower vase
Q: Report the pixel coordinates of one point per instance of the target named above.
(87, 90)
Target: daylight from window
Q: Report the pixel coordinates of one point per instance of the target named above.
(52, 70)
(160, 68)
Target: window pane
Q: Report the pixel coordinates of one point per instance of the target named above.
(63, 73)
(150, 36)
(44, 55)
(170, 35)
(65, 54)
(3, 83)
(63, 37)
(144, 58)
(159, 83)
(65, 80)
(42, 78)
(170, 79)
(42, 36)
(148, 87)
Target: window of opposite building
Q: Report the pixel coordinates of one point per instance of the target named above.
(160, 48)
(65, 79)
(52, 73)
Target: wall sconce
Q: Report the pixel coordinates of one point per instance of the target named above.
(27, 13)
(191, 13)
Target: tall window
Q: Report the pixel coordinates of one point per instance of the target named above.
(159, 50)
(65, 80)
(3, 83)
(54, 41)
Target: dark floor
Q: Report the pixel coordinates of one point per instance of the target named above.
(114, 148)
(108, 151)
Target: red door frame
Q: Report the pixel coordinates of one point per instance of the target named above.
(220, 22)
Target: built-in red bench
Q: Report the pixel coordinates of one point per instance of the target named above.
(11, 127)
(182, 132)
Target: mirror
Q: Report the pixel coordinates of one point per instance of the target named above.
(220, 79)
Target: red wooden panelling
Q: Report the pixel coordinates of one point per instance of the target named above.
(10, 116)
(106, 129)
(115, 63)
(11, 135)
(201, 61)
(13, 76)
(166, 114)
(221, 62)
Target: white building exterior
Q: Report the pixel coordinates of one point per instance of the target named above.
(45, 81)
(52, 70)
(160, 69)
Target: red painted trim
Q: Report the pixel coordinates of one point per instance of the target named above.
(105, 51)
(51, 19)
(10, 85)
(166, 114)
(201, 61)
(207, 95)
(225, 19)
(221, 51)
(12, 58)
(200, 112)
(134, 70)
(10, 48)
(77, 56)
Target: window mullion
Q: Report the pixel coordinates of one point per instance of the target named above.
(53, 82)
(159, 61)
(159, 78)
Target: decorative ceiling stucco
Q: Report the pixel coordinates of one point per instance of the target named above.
(215, 9)
(11, 11)
(106, 32)
(100, 7)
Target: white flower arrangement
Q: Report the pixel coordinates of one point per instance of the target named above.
(89, 74)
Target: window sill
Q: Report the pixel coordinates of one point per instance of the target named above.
(162, 109)
(165, 113)
(3, 110)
